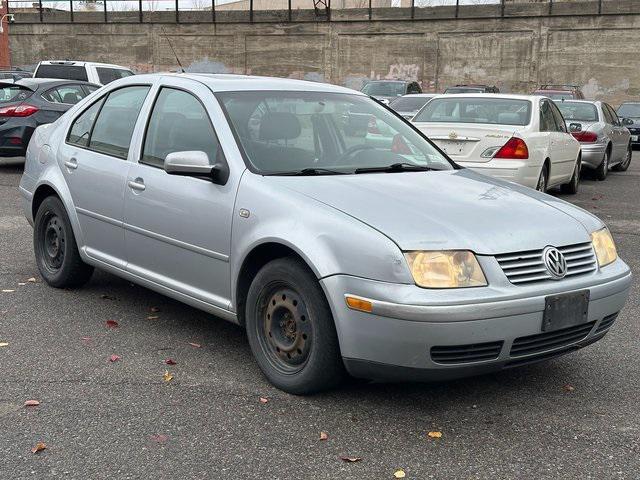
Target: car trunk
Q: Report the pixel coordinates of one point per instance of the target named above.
(12, 95)
(467, 142)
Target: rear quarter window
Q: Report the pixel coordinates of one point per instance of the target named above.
(108, 75)
(66, 72)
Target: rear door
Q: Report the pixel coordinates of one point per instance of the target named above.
(620, 136)
(557, 153)
(94, 162)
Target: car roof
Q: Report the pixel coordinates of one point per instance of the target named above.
(226, 82)
(390, 81)
(511, 96)
(418, 95)
(75, 63)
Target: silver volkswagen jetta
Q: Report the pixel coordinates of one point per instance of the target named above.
(246, 197)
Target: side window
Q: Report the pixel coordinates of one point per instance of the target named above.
(178, 123)
(607, 114)
(108, 75)
(113, 128)
(69, 94)
(547, 122)
(81, 126)
(612, 113)
(561, 126)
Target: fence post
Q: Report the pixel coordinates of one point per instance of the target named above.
(599, 7)
(104, 9)
(413, 9)
(213, 11)
(502, 8)
(289, 13)
(370, 9)
(71, 9)
(140, 10)
(39, 8)
(177, 14)
(457, 7)
(550, 7)
(250, 11)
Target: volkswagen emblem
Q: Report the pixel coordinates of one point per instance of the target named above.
(555, 262)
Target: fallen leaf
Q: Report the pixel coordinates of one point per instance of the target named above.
(154, 309)
(4, 344)
(170, 361)
(351, 459)
(263, 400)
(7, 290)
(38, 448)
(323, 436)
(159, 438)
(167, 376)
(104, 296)
(31, 280)
(399, 473)
(569, 388)
(31, 403)
(112, 324)
(197, 345)
(435, 434)
(153, 317)
(114, 358)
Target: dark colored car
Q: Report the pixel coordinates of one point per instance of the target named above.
(409, 105)
(472, 88)
(28, 103)
(560, 92)
(387, 90)
(14, 74)
(630, 114)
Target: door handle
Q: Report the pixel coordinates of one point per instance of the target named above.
(71, 164)
(137, 184)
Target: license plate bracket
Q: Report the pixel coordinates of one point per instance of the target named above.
(565, 310)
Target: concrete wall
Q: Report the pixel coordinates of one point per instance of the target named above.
(515, 53)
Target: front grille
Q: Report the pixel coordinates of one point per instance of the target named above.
(606, 323)
(550, 340)
(528, 266)
(477, 352)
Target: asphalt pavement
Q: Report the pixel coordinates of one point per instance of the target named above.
(577, 416)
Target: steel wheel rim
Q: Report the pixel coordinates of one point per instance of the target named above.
(627, 160)
(53, 243)
(284, 329)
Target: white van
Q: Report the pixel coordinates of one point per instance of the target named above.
(100, 73)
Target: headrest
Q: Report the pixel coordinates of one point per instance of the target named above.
(279, 126)
(70, 97)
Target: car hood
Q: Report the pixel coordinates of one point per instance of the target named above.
(457, 209)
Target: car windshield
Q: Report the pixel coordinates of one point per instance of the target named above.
(409, 104)
(584, 112)
(464, 90)
(629, 110)
(283, 132)
(498, 111)
(13, 93)
(384, 89)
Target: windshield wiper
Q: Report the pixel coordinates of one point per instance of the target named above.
(310, 171)
(395, 167)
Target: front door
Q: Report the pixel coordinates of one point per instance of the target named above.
(94, 163)
(178, 228)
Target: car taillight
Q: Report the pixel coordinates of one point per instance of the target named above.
(588, 137)
(514, 149)
(18, 111)
(373, 125)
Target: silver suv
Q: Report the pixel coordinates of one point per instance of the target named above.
(247, 198)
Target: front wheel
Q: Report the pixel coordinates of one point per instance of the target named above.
(572, 186)
(291, 329)
(622, 167)
(55, 247)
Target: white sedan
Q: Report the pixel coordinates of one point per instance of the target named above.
(520, 138)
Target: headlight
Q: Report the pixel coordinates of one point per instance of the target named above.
(604, 246)
(445, 269)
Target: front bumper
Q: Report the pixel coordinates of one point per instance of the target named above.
(592, 154)
(517, 171)
(396, 341)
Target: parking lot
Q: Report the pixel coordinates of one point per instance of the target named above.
(573, 417)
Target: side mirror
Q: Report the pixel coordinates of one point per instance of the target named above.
(195, 163)
(627, 122)
(575, 127)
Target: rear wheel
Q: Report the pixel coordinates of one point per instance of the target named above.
(543, 179)
(603, 169)
(622, 167)
(55, 247)
(572, 186)
(291, 330)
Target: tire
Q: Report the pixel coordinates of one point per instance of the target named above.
(55, 247)
(573, 185)
(603, 169)
(300, 353)
(543, 179)
(622, 167)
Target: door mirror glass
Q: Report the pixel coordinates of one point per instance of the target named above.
(575, 127)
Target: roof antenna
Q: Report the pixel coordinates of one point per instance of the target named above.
(174, 52)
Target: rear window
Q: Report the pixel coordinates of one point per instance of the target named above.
(14, 93)
(584, 112)
(108, 75)
(409, 104)
(497, 111)
(66, 72)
